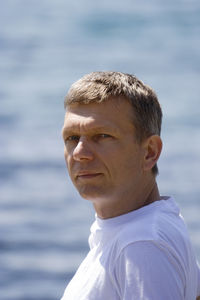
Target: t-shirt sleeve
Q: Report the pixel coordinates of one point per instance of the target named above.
(147, 271)
(198, 285)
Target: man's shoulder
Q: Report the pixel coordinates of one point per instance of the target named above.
(159, 224)
(143, 228)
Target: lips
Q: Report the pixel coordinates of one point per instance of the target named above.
(87, 175)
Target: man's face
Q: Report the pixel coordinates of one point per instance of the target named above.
(102, 155)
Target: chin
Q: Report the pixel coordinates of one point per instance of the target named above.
(90, 196)
(92, 193)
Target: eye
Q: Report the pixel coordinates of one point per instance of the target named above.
(104, 135)
(72, 138)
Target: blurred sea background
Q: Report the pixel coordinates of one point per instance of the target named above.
(44, 47)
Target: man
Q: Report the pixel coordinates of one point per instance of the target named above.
(139, 245)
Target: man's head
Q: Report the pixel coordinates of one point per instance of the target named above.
(98, 87)
(111, 135)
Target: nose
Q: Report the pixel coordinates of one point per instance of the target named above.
(83, 150)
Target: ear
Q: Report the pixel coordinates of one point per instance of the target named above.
(153, 147)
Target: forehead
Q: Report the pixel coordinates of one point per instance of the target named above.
(108, 114)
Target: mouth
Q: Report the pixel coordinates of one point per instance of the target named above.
(87, 175)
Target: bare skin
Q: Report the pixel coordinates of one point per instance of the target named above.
(105, 162)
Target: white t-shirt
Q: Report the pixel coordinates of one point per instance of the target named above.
(142, 255)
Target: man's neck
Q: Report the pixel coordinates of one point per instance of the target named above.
(112, 208)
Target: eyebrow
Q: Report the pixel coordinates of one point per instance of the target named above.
(96, 129)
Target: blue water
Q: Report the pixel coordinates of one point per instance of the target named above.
(44, 47)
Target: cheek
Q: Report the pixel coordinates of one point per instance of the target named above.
(114, 162)
(67, 159)
(129, 162)
(65, 154)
